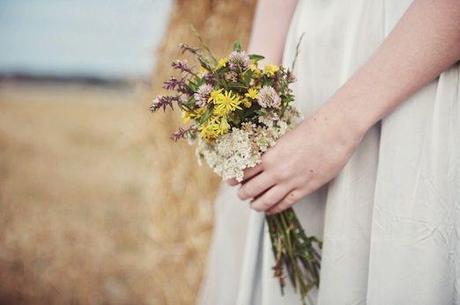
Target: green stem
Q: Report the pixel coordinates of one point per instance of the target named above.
(294, 252)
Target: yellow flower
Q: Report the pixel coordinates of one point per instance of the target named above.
(252, 93)
(199, 112)
(254, 69)
(224, 127)
(215, 95)
(209, 131)
(271, 69)
(225, 103)
(213, 128)
(221, 63)
(186, 116)
(202, 71)
(247, 103)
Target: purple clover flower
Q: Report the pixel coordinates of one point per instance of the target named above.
(202, 94)
(268, 97)
(238, 60)
(209, 78)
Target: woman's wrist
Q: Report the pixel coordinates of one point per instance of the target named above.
(347, 115)
(355, 115)
(343, 124)
(361, 103)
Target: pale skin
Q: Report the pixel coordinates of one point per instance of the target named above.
(425, 42)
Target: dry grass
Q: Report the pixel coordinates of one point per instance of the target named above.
(79, 203)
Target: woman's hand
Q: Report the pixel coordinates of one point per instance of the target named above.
(425, 42)
(302, 161)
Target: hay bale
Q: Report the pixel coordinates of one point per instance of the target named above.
(182, 213)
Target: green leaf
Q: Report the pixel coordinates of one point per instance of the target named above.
(237, 85)
(247, 76)
(205, 116)
(256, 57)
(237, 46)
(261, 112)
(192, 86)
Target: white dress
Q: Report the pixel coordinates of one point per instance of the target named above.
(390, 221)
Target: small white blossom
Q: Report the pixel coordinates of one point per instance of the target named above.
(243, 147)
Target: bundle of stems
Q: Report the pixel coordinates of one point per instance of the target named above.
(295, 253)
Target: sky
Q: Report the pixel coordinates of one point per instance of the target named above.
(100, 38)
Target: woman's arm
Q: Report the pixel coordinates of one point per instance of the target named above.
(270, 27)
(425, 42)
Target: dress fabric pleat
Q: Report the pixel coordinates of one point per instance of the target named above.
(390, 220)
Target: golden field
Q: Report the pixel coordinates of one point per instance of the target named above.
(97, 205)
(84, 214)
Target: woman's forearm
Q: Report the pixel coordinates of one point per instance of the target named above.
(270, 27)
(425, 42)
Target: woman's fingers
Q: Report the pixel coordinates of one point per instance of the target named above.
(248, 173)
(270, 198)
(251, 172)
(289, 200)
(256, 186)
(232, 182)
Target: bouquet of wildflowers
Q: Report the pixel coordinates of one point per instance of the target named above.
(234, 111)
